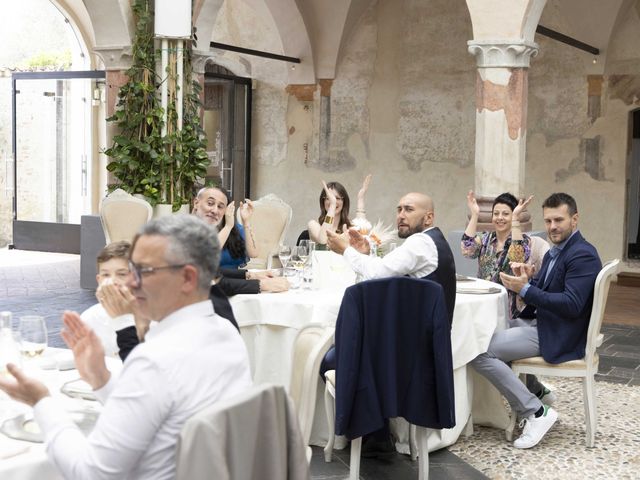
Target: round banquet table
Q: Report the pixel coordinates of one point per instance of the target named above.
(269, 323)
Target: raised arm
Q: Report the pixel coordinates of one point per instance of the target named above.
(474, 210)
(470, 244)
(516, 233)
(229, 222)
(520, 248)
(317, 232)
(246, 212)
(360, 207)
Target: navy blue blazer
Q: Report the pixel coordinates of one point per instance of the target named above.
(562, 303)
(393, 356)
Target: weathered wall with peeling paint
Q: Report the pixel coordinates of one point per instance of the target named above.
(398, 108)
(572, 149)
(402, 106)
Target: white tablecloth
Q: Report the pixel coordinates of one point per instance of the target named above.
(34, 463)
(269, 324)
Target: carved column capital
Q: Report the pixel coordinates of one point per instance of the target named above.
(502, 53)
(114, 57)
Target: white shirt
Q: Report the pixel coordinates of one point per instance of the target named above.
(417, 257)
(190, 360)
(106, 327)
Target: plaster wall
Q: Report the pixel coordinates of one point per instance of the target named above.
(562, 138)
(402, 106)
(387, 116)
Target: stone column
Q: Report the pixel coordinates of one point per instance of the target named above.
(501, 121)
(116, 61)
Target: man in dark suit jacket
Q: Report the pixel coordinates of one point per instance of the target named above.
(554, 324)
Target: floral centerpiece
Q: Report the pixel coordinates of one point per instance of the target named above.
(378, 235)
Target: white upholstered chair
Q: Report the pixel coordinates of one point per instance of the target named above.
(122, 215)
(539, 246)
(586, 367)
(270, 222)
(310, 346)
(251, 436)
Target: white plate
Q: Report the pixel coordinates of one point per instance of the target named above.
(25, 427)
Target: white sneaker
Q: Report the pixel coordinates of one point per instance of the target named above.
(547, 397)
(536, 428)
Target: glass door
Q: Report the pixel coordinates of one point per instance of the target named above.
(53, 152)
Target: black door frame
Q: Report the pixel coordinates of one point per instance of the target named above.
(42, 236)
(246, 83)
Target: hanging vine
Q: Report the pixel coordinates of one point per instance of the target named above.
(164, 168)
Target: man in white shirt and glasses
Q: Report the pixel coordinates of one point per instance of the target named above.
(190, 359)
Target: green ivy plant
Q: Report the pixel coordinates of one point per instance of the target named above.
(163, 168)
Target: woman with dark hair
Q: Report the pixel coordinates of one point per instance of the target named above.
(496, 250)
(213, 206)
(334, 210)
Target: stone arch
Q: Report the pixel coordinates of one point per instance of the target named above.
(77, 18)
(113, 27)
(288, 21)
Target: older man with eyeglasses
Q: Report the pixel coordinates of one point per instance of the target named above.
(191, 358)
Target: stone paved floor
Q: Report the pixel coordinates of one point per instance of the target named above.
(48, 284)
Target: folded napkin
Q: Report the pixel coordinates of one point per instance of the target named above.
(78, 389)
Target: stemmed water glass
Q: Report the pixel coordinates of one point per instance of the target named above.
(303, 251)
(284, 254)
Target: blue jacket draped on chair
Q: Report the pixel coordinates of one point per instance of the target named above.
(393, 355)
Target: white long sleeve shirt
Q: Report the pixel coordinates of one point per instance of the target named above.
(106, 327)
(417, 257)
(190, 360)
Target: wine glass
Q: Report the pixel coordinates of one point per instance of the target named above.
(284, 254)
(295, 261)
(303, 251)
(33, 334)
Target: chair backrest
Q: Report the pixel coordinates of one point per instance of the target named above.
(539, 246)
(270, 222)
(600, 294)
(309, 348)
(252, 435)
(122, 215)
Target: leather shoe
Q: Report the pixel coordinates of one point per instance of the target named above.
(382, 449)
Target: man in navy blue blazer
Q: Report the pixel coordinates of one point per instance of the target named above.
(554, 324)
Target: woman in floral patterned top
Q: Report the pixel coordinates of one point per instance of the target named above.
(496, 250)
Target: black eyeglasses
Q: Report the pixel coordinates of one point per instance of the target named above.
(138, 272)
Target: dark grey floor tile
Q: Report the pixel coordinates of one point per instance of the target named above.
(321, 469)
(442, 464)
(612, 379)
(634, 382)
(633, 352)
(622, 349)
(607, 362)
(625, 340)
(624, 372)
